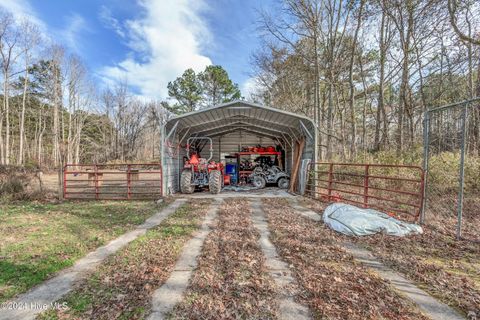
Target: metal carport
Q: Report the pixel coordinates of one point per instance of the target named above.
(231, 126)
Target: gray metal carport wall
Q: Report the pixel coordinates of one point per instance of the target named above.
(236, 120)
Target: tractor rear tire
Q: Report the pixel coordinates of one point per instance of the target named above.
(215, 181)
(186, 185)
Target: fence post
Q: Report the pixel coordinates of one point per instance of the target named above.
(462, 173)
(128, 181)
(426, 160)
(61, 182)
(96, 182)
(365, 186)
(161, 180)
(330, 181)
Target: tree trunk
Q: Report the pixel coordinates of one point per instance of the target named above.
(7, 117)
(2, 146)
(20, 160)
(403, 101)
(381, 85)
(352, 85)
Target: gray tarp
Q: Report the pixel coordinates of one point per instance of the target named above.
(351, 220)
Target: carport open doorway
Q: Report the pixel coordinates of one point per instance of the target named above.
(237, 147)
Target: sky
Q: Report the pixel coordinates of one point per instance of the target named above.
(148, 43)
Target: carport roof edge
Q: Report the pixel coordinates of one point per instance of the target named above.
(223, 113)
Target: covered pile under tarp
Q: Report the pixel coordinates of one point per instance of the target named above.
(354, 221)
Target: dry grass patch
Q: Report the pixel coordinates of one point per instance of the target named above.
(314, 205)
(332, 284)
(231, 281)
(122, 286)
(447, 268)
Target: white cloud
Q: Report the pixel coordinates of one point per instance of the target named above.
(164, 41)
(249, 88)
(105, 15)
(68, 35)
(76, 25)
(21, 9)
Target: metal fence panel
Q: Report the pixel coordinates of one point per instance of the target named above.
(394, 189)
(112, 181)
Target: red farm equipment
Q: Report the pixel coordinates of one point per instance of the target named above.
(200, 172)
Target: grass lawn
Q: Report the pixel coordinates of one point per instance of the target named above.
(122, 286)
(37, 239)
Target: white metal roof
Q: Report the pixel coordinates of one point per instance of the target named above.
(241, 115)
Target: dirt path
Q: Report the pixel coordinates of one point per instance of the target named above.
(171, 292)
(447, 269)
(332, 284)
(287, 288)
(231, 281)
(428, 304)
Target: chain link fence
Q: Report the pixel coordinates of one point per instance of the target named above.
(452, 166)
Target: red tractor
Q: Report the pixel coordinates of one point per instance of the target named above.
(200, 172)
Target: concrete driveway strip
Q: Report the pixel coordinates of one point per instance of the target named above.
(172, 291)
(42, 297)
(428, 304)
(278, 269)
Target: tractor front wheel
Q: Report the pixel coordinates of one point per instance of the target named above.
(186, 185)
(215, 181)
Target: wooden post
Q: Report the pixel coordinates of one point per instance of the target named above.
(296, 165)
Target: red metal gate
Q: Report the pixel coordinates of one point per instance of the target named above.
(394, 189)
(112, 181)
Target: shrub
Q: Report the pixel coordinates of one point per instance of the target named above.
(13, 185)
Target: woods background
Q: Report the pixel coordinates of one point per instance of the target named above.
(365, 71)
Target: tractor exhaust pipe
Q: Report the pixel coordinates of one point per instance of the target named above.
(192, 139)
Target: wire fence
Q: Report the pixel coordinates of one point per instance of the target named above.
(452, 166)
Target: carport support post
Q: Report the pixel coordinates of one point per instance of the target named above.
(162, 161)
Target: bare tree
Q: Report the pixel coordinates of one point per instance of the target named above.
(453, 7)
(30, 37)
(350, 79)
(56, 54)
(9, 37)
